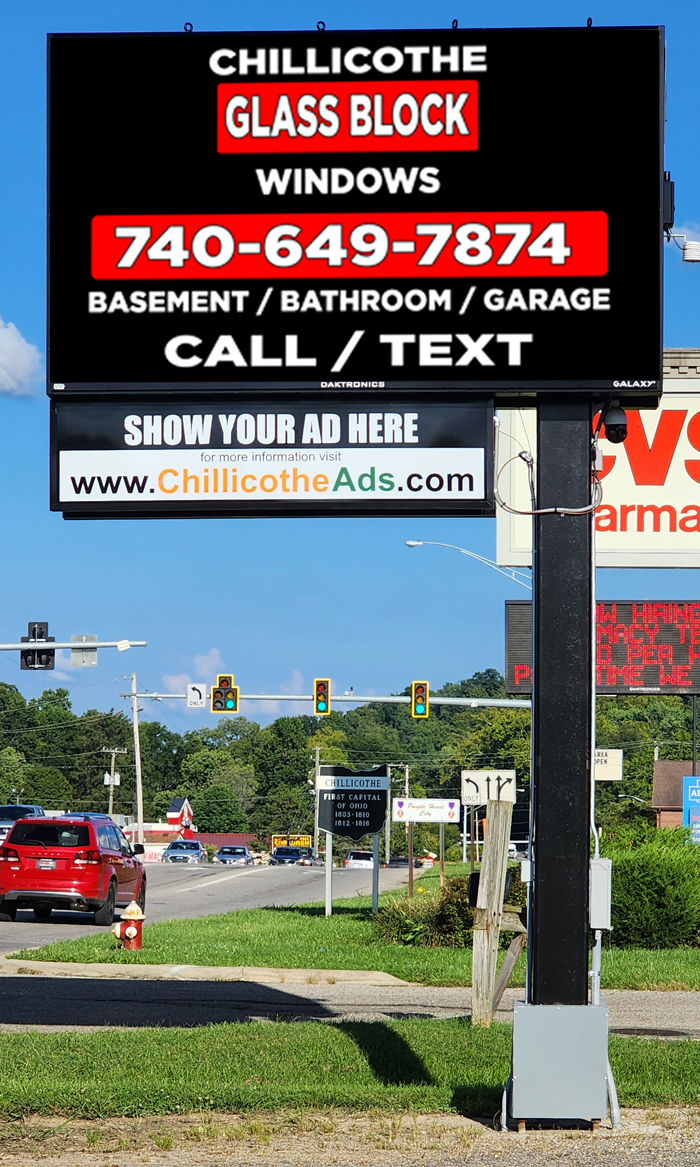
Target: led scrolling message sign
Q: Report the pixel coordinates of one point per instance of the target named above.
(356, 210)
(642, 646)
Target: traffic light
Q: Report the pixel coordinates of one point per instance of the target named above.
(420, 699)
(322, 697)
(37, 656)
(224, 696)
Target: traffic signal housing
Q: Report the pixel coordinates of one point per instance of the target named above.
(322, 696)
(224, 695)
(36, 655)
(420, 699)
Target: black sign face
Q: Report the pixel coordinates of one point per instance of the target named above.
(642, 646)
(228, 456)
(352, 802)
(360, 210)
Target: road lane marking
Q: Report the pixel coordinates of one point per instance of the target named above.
(207, 883)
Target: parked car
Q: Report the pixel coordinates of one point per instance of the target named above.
(359, 859)
(285, 856)
(10, 814)
(185, 851)
(234, 856)
(402, 861)
(73, 864)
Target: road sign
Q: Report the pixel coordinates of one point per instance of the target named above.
(352, 802)
(691, 806)
(481, 786)
(425, 810)
(197, 696)
(642, 646)
(83, 655)
(249, 456)
(608, 765)
(346, 253)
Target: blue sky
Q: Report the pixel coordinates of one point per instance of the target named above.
(276, 601)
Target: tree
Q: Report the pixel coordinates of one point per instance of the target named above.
(47, 787)
(217, 809)
(282, 756)
(287, 810)
(12, 768)
(205, 767)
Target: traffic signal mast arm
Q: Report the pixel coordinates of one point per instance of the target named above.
(357, 699)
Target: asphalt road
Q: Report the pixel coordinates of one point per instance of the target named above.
(177, 893)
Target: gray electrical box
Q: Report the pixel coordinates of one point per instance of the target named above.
(600, 896)
(560, 1059)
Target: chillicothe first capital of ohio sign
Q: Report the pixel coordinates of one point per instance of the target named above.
(469, 210)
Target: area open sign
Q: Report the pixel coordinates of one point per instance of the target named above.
(399, 245)
(259, 117)
(642, 646)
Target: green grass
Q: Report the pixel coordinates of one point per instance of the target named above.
(418, 1065)
(301, 937)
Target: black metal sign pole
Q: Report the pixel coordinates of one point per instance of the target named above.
(562, 708)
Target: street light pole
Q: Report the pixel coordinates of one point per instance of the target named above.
(510, 573)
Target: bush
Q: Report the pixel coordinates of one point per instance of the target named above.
(442, 920)
(656, 894)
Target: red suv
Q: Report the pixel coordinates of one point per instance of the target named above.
(74, 863)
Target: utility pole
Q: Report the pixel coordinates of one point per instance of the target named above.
(137, 760)
(113, 751)
(317, 771)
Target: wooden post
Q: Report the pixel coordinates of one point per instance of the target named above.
(442, 854)
(472, 845)
(487, 915)
(409, 831)
(506, 970)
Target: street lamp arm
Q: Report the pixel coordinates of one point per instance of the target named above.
(510, 573)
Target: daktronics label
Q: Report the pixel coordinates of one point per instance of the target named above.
(398, 245)
(343, 116)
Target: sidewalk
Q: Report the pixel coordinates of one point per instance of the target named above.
(43, 995)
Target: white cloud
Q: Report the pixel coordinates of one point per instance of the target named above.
(176, 682)
(295, 685)
(208, 666)
(20, 362)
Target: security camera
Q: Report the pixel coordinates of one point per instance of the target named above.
(616, 424)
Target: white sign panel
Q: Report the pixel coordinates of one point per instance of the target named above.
(425, 810)
(650, 512)
(480, 786)
(352, 782)
(196, 696)
(317, 476)
(608, 765)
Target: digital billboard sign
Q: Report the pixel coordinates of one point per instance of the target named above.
(383, 211)
(208, 456)
(642, 646)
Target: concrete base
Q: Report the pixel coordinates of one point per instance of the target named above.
(560, 1057)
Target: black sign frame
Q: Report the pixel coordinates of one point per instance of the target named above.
(534, 91)
(370, 804)
(93, 432)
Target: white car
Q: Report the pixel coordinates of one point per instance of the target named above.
(359, 859)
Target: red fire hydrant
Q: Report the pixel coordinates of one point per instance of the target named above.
(130, 927)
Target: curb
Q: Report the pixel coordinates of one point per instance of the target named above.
(195, 972)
